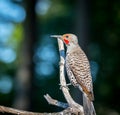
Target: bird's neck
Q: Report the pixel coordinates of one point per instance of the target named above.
(72, 48)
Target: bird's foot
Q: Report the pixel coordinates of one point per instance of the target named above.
(65, 86)
(61, 63)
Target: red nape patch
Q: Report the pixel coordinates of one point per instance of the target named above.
(66, 41)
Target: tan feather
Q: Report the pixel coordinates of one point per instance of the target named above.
(79, 65)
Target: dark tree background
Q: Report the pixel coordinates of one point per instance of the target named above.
(29, 59)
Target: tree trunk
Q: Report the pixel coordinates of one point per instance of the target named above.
(25, 73)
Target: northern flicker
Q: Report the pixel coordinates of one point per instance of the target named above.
(77, 66)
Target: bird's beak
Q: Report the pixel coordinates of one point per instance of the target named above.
(56, 36)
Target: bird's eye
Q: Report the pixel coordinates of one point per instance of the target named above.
(67, 36)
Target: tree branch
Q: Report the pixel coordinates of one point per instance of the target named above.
(5, 110)
(55, 102)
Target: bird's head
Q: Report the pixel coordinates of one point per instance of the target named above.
(68, 39)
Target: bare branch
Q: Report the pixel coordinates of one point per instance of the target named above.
(55, 102)
(4, 110)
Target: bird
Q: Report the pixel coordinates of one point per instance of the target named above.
(78, 68)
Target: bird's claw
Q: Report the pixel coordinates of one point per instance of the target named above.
(60, 63)
(65, 86)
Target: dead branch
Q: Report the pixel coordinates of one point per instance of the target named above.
(55, 102)
(5, 110)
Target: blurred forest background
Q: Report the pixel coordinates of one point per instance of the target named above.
(29, 58)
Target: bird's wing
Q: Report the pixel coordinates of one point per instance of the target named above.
(80, 67)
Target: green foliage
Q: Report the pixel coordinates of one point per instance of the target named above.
(16, 37)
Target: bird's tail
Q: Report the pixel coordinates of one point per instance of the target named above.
(88, 106)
